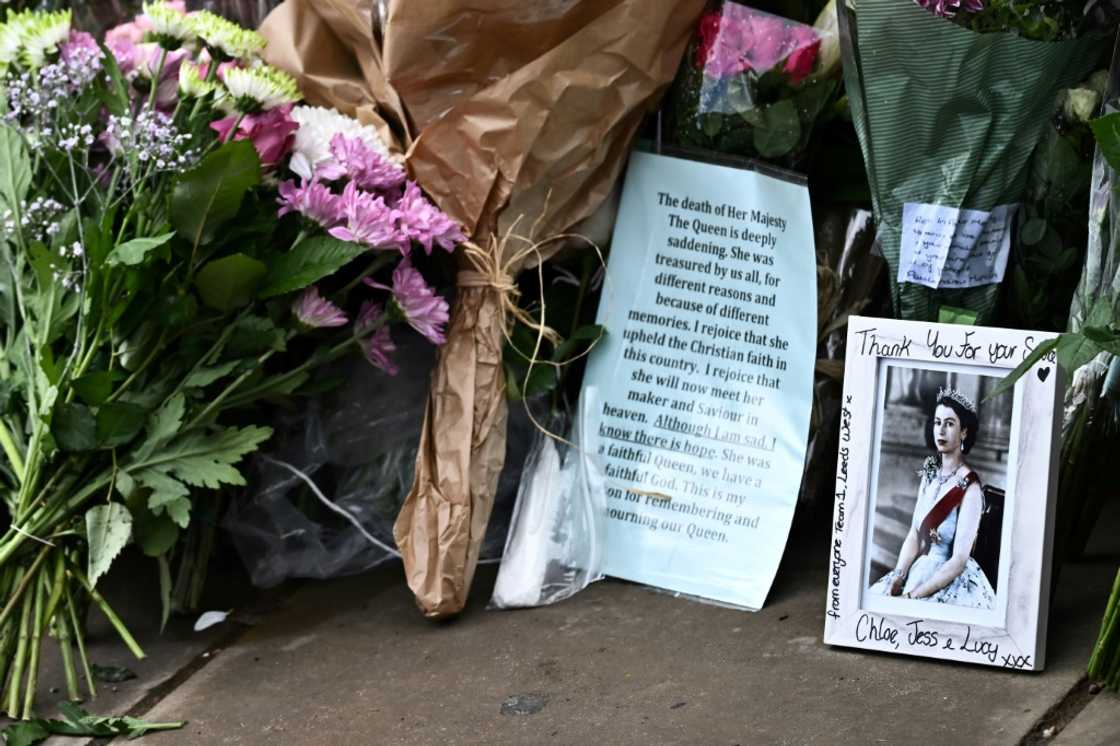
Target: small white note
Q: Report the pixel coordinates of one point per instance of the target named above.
(951, 248)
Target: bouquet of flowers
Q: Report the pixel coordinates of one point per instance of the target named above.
(948, 116)
(753, 84)
(150, 299)
(1048, 248)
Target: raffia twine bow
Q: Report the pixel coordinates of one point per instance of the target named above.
(490, 271)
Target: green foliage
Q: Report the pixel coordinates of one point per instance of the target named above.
(230, 282)
(108, 530)
(307, 263)
(134, 252)
(77, 722)
(15, 168)
(206, 197)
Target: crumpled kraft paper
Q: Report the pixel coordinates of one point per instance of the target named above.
(513, 113)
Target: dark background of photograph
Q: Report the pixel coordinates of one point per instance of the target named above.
(910, 395)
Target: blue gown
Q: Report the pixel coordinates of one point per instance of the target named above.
(971, 588)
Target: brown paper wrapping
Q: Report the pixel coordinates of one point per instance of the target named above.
(512, 112)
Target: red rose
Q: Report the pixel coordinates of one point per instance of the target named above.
(804, 55)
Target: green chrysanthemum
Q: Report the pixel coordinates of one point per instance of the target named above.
(192, 84)
(226, 36)
(39, 34)
(11, 37)
(260, 87)
(170, 27)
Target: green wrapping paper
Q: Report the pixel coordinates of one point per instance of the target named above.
(947, 116)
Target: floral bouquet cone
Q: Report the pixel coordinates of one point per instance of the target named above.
(515, 121)
(948, 117)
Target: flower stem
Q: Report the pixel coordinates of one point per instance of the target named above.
(79, 637)
(37, 624)
(11, 451)
(20, 661)
(107, 610)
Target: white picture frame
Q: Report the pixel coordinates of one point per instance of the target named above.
(894, 375)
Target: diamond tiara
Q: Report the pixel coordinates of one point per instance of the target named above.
(958, 397)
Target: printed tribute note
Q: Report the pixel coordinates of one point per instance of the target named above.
(705, 376)
(946, 247)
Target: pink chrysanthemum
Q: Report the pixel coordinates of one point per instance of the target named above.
(364, 165)
(316, 312)
(312, 200)
(378, 346)
(417, 302)
(949, 8)
(421, 221)
(368, 220)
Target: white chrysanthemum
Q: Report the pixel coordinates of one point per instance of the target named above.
(226, 36)
(260, 87)
(11, 37)
(168, 23)
(312, 148)
(191, 82)
(42, 33)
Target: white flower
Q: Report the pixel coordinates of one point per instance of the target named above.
(11, 37)
(226, 36)
(260, 87)
(168, 22)
(312, 148)
(1081, 104)
(42, 33)
(191, 82)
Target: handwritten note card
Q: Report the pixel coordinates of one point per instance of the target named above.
(952, 248)
(705, 376)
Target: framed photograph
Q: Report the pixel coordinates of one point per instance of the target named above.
(943, 525)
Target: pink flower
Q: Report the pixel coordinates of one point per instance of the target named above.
(272, 132)
(315, 311)
(419, 220)
(146, 59)
(364, 165)
(378, 346)
(804, 55)
(725, 41)
(368, 220)
(80, 47)
(417, 302)
(312, 200)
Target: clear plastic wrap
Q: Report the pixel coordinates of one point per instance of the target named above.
(324, 496)
(752, 84)
(555, 544)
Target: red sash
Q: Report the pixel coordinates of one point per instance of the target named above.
(939, 512)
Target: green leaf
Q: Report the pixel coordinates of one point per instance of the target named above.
(166, 420)
(74, 427)
(1106, 130)
(1104, 338)
(78, 722)
(15, 168)
(118, 423)
(164, 591)
(230, 282)
(309, 262)
(154, 534)
(169, 495)
(253, 335)
(779, 131)
(206, 376)
(210, 194)
(108, 529)
(589, 334)
(131, 253)
(113, 93)
(1074, 350)
(1009, 380)
(27, 733)
(94, 388)
(206, 460)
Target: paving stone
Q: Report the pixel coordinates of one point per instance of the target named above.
(1097, 725)
(352, 661)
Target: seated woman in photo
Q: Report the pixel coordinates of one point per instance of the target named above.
(935, 562)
